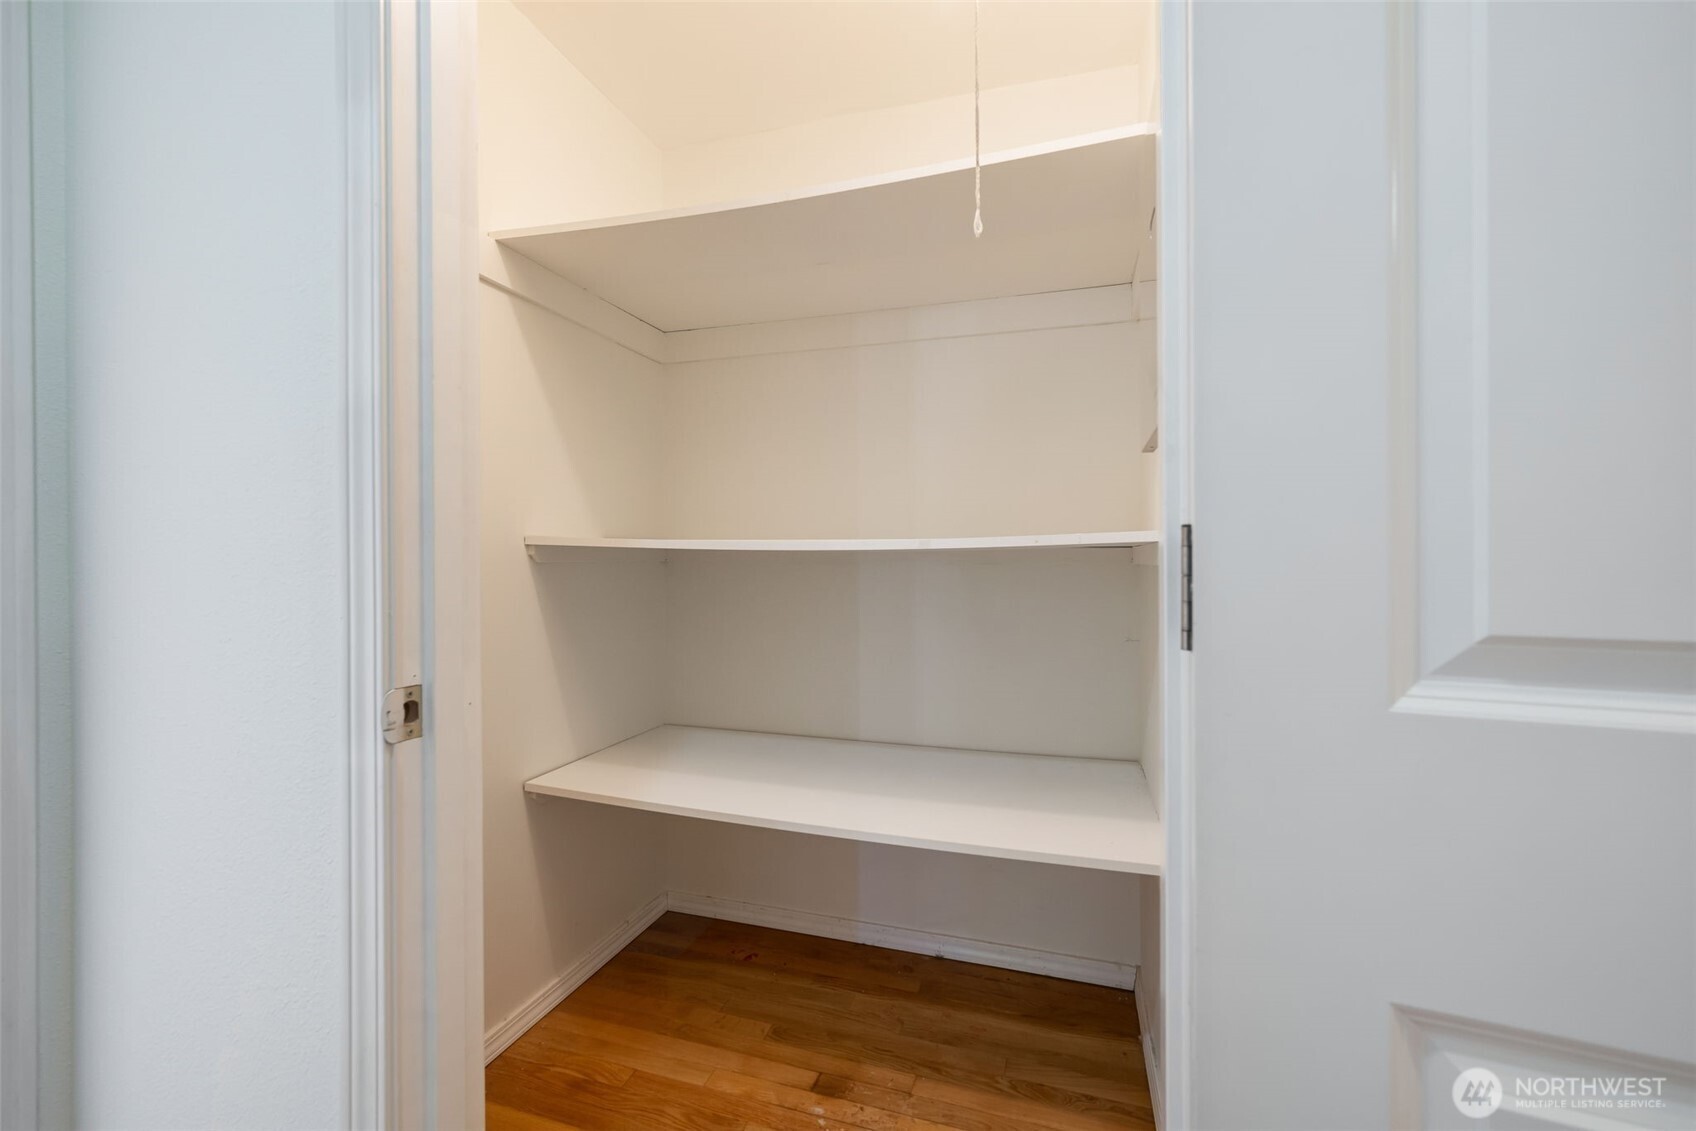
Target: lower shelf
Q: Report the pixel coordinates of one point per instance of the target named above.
(1083, 812)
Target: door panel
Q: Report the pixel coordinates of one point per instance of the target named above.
(1444, 765)
(1547, 277)
(1432, 1052)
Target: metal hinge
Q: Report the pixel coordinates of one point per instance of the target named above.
(1186, 598)
(403, 713)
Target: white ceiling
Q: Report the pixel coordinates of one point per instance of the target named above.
(698, 70)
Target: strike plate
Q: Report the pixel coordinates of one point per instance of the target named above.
(403, 713)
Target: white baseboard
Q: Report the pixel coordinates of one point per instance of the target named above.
(496, 1040)
(1156, 1079)
(1095, 971)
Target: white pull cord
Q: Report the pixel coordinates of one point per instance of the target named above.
(977, 122)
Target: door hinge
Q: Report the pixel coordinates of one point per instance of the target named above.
(403, 713)
(1186, 596)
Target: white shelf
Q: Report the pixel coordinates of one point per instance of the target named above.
(543, 548)
(1061, 216)
(1083, 812)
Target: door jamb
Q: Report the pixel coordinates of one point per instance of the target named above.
(368, 1100)
(19, 1002)
(1177, 376)
(431, 898)
(452, 612)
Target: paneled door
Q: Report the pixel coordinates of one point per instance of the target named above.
(1445, 565)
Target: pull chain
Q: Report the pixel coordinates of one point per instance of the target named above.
(977, 122)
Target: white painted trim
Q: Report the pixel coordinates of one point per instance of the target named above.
(1177, 668)
(360, 32)
(1095, 971)
(417, 958)
(410, 1016)
(1151, 1064)
(434, 898)
(449, 642)
(20, 1099)
(497, 1039)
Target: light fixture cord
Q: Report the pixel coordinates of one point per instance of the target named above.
(977, 121)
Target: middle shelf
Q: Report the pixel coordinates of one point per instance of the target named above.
(1083, 812)
(544, 548)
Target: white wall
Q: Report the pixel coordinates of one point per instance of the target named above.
(1040, 652)
(205, 308)
(539, 117)
(570, 424)
(572, 655)
(905, 137)
(1035, 652)
(1038, 431)
(582, 435)
(551, 147)
(1070, 911)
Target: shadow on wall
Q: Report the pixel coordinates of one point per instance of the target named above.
(587, 415)
(605, 618)
(1045, 907)
(1035, 652)
(570, 653)
(595, 866)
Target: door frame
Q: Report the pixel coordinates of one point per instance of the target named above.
(452, 626)
(368, 1100)
(19, 1001)
(435, 103)
(1176, 1044)
(416, 819)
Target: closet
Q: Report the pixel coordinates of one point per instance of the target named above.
(818, 529)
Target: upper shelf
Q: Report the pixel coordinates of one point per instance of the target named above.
(543, 548)
(1061, 216)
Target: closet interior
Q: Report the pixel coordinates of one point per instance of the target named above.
(818, 529)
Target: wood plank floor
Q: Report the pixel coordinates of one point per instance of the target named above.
(702, 1025)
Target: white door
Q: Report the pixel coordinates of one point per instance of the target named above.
(1445, 483)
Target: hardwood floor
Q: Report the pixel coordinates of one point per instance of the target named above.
(702, 1025)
